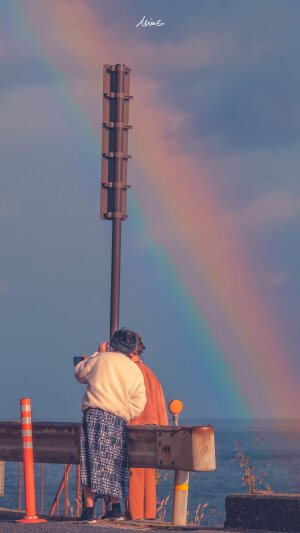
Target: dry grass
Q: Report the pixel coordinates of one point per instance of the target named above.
(199, 514)
(160, 475)
(162, 509)
(255, 475)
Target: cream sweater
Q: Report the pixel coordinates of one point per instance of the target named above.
(114, 383)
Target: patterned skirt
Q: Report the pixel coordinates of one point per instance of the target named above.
(104, 464)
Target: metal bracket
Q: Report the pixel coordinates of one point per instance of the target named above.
(166, 451)
(118, 95)
(108, 124)
(117, 125)
(111, 155)
(123, 156)
(112, 68)
(115, 214)
(116, 185)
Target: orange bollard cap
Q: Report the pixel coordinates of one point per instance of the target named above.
(25, 401)
(175, 407)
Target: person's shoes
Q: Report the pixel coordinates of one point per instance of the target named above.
(88, 515)
(114, 514)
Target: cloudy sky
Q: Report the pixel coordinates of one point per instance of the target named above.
(210, 251)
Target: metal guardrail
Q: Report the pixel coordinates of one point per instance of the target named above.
(190, 448)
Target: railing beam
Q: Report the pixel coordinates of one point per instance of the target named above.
(189, 448)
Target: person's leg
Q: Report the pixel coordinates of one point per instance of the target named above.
(136, 499)
(88, 496)
(88, 502)
(150, 494)
(115, 512)
(88, 513)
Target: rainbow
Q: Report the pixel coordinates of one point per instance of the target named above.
(207, 266)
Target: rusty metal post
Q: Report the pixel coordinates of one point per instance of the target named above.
(2, 474)
(60, 489)
(66, 487)
(115, 276)
(42, 487)
(20, 485)
(181, 478)
(77, 489)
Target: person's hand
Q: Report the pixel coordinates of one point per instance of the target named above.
(78, 358)
(103, 347)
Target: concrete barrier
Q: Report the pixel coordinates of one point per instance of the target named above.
(274, 512)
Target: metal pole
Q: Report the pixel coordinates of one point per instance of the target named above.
(20, 484)
(117, 208)
(60, 489)
(115, 276)
(181, 482)
(2, 474)
(66, 486)
(42, 487)
(180, 497)
(77, 489)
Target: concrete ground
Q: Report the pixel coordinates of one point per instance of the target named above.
(71, 525)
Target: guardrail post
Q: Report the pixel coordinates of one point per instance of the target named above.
(2, 473)
(20, 485)
(66, 487)
(31, 515)
(77, 489)
(181, 478)
(60, 489)
(42, 488)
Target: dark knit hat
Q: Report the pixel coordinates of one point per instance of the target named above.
(123, 341)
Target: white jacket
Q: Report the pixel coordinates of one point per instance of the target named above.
(114, 383)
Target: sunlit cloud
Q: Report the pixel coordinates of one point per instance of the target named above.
(267, 211)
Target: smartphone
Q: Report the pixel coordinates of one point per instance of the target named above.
(77, 359)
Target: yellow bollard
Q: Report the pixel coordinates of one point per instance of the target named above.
(181, 478)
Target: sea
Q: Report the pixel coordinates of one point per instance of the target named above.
(272, 449)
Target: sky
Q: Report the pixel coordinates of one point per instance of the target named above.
(210, 251)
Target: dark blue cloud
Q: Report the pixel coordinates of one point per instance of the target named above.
(252, 110)
(247, 97)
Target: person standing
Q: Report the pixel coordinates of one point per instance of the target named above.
(114, 395)
(141, 503)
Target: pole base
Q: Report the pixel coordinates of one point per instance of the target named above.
(31, 519)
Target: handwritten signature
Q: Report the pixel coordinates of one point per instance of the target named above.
(144, 22)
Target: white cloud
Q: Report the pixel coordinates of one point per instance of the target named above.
(269, 210)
